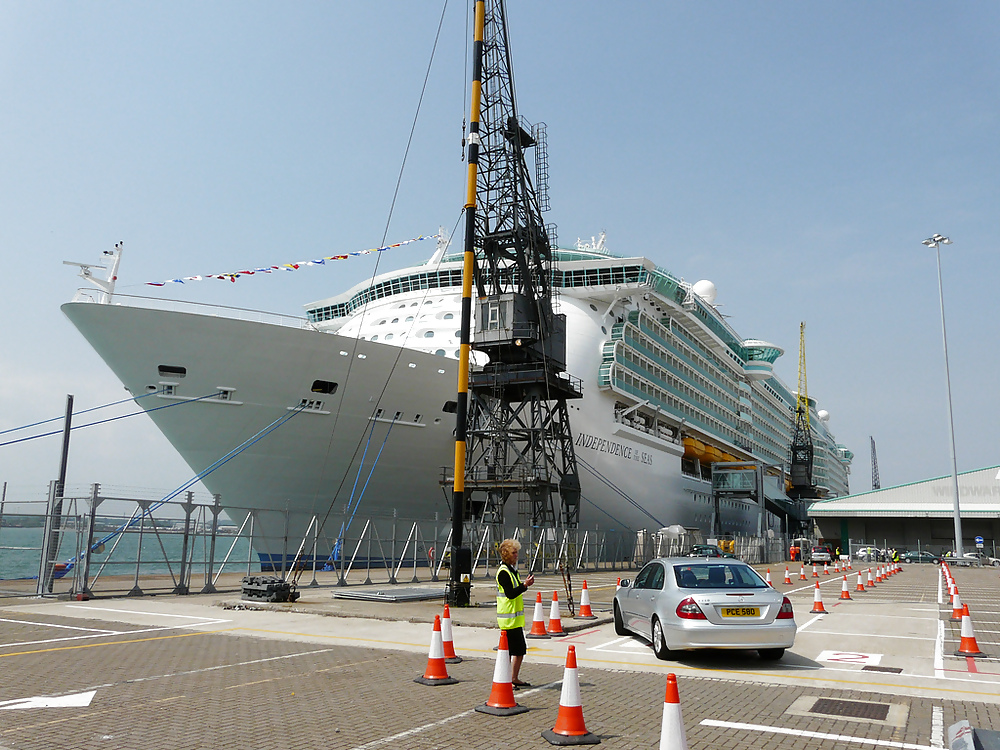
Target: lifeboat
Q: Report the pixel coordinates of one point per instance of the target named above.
(693, 448)
(712, 455)
(728, 458)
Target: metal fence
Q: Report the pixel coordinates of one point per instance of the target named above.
(71, 546)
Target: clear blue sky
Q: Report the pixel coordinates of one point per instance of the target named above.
(796, 154)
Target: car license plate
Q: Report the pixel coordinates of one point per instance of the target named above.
(741, 611)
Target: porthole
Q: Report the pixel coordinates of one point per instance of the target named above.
(458, 334)
(449, 316)
(375, 337)
(412, 366)
(604, 330)
(458, 353)
(362, 356)
(428, 334)
(395, 320)
(437, 420)
(324, 386)
(388, 336)
(593, 307)
(343, 354)
(382, 322)
(174, 371)
(440, 372)
(439, 353)
(409, 319)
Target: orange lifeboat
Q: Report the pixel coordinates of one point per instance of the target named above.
(712, 454)
(693, 448)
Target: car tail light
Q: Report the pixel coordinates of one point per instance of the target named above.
(785, 613)
(689, 610)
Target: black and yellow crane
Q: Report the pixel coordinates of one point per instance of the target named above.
(801, 458)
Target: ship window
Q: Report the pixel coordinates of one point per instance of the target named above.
(409, 318)
(604, 330)
(439, 353)
(343, 354)
(225, 394)
(397, 416)
(458, 334)
(375, 337)
(395, 320)
(169, 389)
(323, 386)
(413, 304)
(450, 407)
(458, 353)
(402, 306)
(382, 322)
(172, 371)
(416, 417)
(593, 307)
(378, 414)
(441, 372)
(448, 316)
(437, 420)
(362, 356)
(388, 336)
(411, 366)
(493, 323)
(428, 334)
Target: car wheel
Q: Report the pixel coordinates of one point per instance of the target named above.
(620, 628)
(996, 563)
(771, 654)
(659, 640)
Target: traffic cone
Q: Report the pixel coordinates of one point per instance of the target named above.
(861, 585)
(448, 644)
(844, 592)
(619, 584)
(538, 621)
(802, 573)
(501, 701)
(836, 566)
(951, 592)
(826, 569)
(437, 672)
(788, 578)
(956, 608)
(871, 581)
(570, 728)
(585, 613)
(555, 621)
(767, 578)
(672, 735)
(815, 574)
(968, 645)
(817, 603)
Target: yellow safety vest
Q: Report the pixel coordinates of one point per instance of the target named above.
(510, 612)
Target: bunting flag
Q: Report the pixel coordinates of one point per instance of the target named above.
(233, 275)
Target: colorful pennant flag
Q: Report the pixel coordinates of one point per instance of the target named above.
(233, 275)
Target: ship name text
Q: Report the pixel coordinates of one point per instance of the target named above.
(612, 448)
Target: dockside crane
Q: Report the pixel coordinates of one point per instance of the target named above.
(801, 458)
(876, 482)
(513, 436)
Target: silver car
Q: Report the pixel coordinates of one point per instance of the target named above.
(679, 604)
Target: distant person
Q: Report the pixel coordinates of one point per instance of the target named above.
(510, 606)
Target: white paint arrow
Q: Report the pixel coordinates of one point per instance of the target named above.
(51, 701)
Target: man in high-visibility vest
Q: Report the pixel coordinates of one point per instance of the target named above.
(510, 606)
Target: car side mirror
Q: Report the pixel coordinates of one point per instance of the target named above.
(626, 583)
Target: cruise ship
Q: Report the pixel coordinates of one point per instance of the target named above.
(350, 409)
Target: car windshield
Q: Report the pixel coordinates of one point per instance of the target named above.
(717, 575)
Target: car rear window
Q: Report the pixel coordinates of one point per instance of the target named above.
(717, 575)
(820, 549)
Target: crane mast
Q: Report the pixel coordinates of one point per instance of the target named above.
(801, 474)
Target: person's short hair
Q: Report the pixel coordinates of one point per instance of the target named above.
(509, 549)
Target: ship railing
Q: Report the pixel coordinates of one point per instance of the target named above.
(196, 308)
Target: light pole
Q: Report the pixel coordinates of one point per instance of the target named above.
(936, 241)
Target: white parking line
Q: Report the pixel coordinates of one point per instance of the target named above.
(53, 625)
(814, 735)
(937, 726)
(138, 612)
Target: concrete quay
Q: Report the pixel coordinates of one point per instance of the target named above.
(210, 671)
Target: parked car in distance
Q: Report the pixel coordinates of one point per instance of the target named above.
(820, 554)
(680, 604)
(709, 550)
(981, 558)
(920, 557)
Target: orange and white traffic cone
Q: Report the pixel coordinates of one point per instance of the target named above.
(968, 646)
(450, 657)
(844, 591)
(802, 573)
(815, 574)
(826, 569)
(570, 728)
(836, 566)
(619, 584)
(538, 621)
(767, 578)
(871, 581)
(437, 672)
(818, 608)
(555, 620)
(585, 613)
(672, 736)
(788, 578)
(956, 608)
(501, 701)
(951, 592)
(861, 584)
